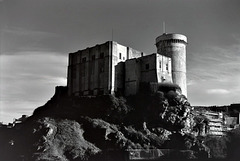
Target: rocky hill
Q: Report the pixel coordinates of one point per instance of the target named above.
(106, 128)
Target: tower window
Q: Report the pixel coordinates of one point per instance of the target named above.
(160, 64)
(167, 67)
(147, 66)
(120, 55)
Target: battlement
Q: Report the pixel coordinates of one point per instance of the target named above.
(174, 38)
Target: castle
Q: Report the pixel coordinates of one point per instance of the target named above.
(111, 68)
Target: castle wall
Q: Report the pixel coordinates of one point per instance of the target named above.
(132, 76)
(131, 53)
(179, 65)
(148, 68)
(89, 71)
(92, 71)
(121, 54)
(120, 78)
(110, 67)
(156, 68)
(72, 73)
(164, 68)
(69, 74)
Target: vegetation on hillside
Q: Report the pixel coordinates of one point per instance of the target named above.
(91, 128)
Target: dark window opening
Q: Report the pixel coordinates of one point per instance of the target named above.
(73, 58)
(100, 92)
(90, 92)
(163, 78)
(92, 70)
(74, 72)
(101, 69)
(123, 58)
(166, 66)
(120, 55)
(147, 66)
(101, 55)
(84, 60)
(160, 64)
(83, 72)
(93, 57)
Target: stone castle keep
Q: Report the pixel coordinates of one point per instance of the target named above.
(111, 68)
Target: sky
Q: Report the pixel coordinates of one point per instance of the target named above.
(36, 37)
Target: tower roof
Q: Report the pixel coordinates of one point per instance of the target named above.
(166, 36)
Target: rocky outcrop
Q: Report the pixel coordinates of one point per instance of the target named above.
(89, 128)
(62, 140)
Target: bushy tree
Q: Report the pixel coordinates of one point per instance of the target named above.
(233, 145)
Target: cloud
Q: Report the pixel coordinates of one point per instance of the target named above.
(10, 110)
(218, 91)
(28, 79)
(214, 75)
(215, 63)
(16, 39)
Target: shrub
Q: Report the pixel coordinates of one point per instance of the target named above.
(217, 146)
(233, 146)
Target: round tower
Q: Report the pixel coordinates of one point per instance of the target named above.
(174, 46)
